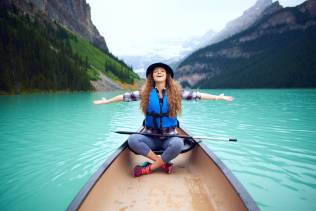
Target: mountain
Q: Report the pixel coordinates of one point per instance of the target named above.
(272, 8)
(200, 42)
(235, 26)
(182, 49)
(278, 50)
(37, 53)
(241, 23)
(72, 14)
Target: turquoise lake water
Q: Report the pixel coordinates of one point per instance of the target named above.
(51, 144)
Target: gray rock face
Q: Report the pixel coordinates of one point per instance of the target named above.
(104, 84)
(74, 15)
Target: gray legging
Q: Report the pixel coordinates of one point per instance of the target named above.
(143, 144)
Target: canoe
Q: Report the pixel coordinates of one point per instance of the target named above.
(199, 181)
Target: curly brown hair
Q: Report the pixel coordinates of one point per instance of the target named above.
(173, 92)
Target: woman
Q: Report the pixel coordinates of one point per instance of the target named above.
(161, 103)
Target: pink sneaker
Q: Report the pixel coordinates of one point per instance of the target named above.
(140, 170)
(167, 167)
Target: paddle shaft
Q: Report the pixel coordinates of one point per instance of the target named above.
(175, 135)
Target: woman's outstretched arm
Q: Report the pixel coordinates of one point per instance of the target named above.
(117, 98)
(205, 96)
(196, 95)
(127, 97)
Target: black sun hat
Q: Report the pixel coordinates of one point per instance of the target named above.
(159, 64)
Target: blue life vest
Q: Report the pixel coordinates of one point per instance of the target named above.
(157, 115)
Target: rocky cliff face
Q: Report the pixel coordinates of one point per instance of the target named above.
(280, 42)
(73, 14)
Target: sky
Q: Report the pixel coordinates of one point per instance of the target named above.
(137, 27)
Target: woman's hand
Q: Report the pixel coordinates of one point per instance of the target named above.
(98, 102)
(222, 97)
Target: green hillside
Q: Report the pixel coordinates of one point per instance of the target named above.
(100, 60)
(37, 54)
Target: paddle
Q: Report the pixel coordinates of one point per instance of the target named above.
(171, 135)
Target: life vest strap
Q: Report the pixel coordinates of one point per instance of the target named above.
(157, 115)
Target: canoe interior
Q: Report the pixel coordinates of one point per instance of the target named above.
(195, 184)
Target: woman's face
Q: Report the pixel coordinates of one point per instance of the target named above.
(159, 74)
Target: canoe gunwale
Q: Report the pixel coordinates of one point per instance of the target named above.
(84, 191)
